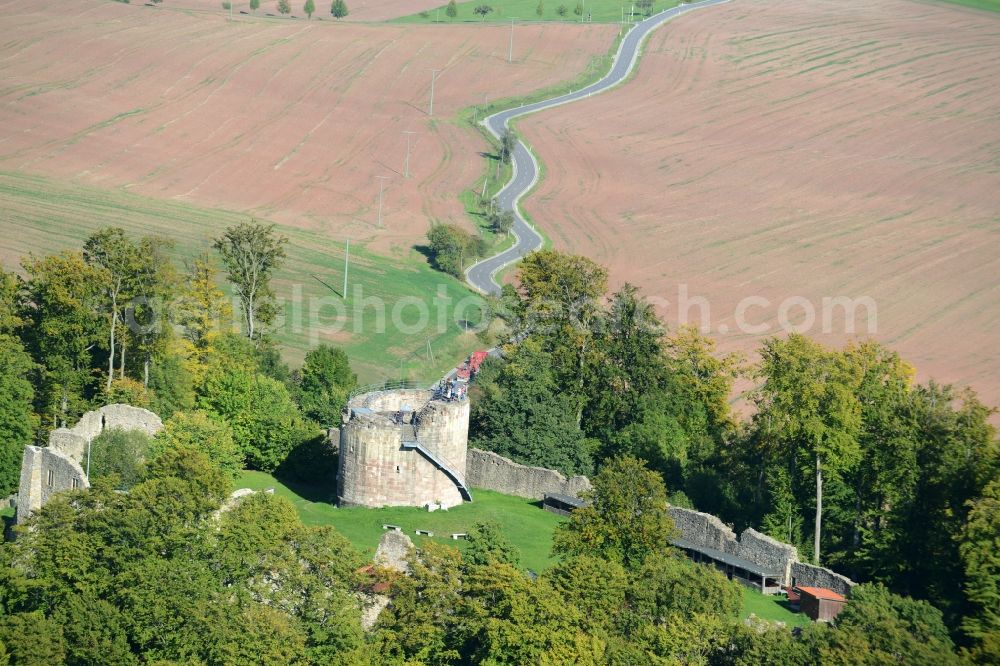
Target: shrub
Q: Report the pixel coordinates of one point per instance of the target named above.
(129, 392)
(119, 453)
(198, 431)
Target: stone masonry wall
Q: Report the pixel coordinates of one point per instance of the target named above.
(45, 472)
(767, 552)
(489, 470)
(63, 458)
(813, 576)
(703, 529)
(377, 470)
(708, 531)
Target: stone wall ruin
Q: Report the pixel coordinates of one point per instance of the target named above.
(494, 472)
(59, 466)
(707, 531)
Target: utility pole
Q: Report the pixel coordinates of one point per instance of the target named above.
(347, 265)
(381, 193)
(406, 164)
(434, 73)
(485, 97)
(510, 51)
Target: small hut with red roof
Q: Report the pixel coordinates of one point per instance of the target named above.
(819, 603)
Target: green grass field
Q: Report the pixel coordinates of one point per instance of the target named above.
(987, 5)
(527, 526)
(597, 11)
(770, 607)
(42, 215)
(525, 523)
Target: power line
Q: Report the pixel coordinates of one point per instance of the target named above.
(406, 164)
(434, 73)
(381, 193)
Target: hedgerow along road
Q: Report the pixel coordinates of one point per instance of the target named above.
(525, 169)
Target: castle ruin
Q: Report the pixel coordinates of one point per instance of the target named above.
(404, 447)
(47, 470)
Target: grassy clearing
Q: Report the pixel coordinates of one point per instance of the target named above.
(987, 5)
(43, 216)
(596, 11)
(495, 243)
(770, 607)
(526, 525)
(524, 522)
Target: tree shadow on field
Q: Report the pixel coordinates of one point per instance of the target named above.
(8, 527)
(310, 470)
(413, 106)
(426, 251)
(326, 493)
(787, 605)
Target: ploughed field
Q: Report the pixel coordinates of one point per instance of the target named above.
(359, 10)
(290, 120)
(788, 149)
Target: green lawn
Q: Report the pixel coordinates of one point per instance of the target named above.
(987, 5)
(599, 11)
(42, 215)
(526, 525)
(770, 607)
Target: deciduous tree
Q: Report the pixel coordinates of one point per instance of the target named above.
(451, 246)
(17, 420)
(980, 550)
(10, 302)
(339, 9)
(63, 296)
(118, 258)
(202, 308)
(626, 519)
(119, 453)
(326, 380)
(266, 423)
(198, 431)
(807, 407)
(251, 252)
(488, 546)
(524, 414)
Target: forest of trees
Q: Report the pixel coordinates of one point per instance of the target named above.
(119, 321)
(160, 575)
(890, 482)
(845, 456)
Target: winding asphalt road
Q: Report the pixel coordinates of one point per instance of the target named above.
(525, 168)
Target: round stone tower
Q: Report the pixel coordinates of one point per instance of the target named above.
(403, 448)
